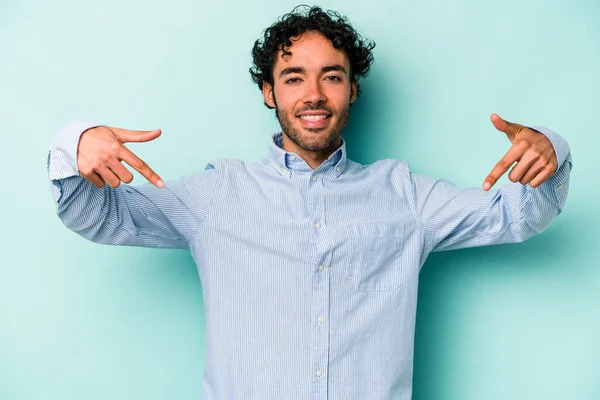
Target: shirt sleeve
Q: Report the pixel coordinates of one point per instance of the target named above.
(129, 215)
(454, 218)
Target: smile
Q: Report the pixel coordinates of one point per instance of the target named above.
(314, 117)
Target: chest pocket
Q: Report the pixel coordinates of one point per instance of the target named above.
(375, 257)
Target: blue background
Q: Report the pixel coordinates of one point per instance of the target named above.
(85, 321)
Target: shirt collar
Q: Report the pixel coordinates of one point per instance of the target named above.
(287, 161)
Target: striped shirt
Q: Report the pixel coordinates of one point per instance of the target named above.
(309, 277)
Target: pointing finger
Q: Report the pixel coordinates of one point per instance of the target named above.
(514, 154)
(140, 166)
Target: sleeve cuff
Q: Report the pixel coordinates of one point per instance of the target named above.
(62, 158)
(561, 147)
(558, 184)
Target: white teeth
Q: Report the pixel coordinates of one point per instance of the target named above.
(313, 117)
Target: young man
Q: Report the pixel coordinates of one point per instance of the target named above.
(309, 262)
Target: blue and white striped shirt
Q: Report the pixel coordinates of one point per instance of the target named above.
(309, 276)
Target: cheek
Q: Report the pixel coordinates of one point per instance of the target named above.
(340, 97)
(286, 98)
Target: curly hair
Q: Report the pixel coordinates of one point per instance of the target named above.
(329, 23)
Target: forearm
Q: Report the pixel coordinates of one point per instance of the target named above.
(454, 218)
(124, 215)
(109, 215)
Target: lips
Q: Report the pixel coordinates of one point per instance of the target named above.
(313, 117)
(314, 121)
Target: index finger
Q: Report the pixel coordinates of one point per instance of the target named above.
(140, 166)
(512, 155)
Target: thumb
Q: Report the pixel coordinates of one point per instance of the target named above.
(509, 128)
(125, 135)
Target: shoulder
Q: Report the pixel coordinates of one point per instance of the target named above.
(224, 163)
(233, 168)
(387, 167)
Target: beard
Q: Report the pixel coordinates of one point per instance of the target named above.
(308, 141)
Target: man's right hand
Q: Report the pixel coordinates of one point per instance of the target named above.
(101, 151)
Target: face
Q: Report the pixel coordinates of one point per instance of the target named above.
(312, 94)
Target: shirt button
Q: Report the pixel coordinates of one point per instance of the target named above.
(319, 373)
(317, 225)
(314, 178)
(320, 320)
(337, 169)
(560, 186)
(292, 158)
(321, 268)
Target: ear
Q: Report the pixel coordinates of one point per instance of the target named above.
(353, 90)
(267, 90)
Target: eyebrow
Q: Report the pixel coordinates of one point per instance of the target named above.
(300, 70)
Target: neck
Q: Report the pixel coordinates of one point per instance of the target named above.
(313, 158)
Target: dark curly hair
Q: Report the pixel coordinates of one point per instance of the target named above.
(305, 18)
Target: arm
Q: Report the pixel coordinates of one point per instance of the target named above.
(145, 215)
(454, 218)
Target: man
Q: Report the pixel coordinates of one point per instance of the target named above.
(309, 261)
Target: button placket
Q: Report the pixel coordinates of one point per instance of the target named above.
(320, 286)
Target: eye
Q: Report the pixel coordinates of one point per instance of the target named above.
(334, 78)
(292, 80)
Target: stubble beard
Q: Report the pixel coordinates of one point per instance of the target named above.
(307, 141)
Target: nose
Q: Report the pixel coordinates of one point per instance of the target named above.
(314, 93)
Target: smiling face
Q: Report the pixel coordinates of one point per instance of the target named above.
(312, 93)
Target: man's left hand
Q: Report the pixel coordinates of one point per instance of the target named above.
(532, 151)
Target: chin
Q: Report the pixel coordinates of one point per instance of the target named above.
(319, 140)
